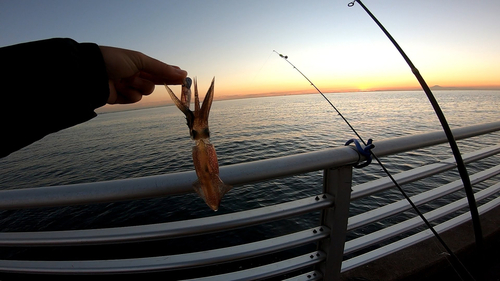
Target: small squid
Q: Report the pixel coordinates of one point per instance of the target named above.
(208, 186)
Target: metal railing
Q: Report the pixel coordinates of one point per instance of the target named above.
(333, 254)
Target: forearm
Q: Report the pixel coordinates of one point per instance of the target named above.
(47, 86)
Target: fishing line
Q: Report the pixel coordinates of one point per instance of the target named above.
(260, 69)
(427, 223)
(465, 272)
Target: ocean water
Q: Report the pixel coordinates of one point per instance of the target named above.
(155, 141)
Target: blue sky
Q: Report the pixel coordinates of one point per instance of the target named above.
(453, 43)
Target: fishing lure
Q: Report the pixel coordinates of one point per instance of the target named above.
(209, 186)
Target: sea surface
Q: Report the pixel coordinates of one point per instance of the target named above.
(155, 141)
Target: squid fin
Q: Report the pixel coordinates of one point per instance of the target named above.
(223, 188)
(197, 188)
(213, 201)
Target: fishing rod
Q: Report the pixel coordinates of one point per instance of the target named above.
(456, 152)
(312, 84)
(444, 123)
(449, 135)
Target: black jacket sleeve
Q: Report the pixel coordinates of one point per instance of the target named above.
(47, 86)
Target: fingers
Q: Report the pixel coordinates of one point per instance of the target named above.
(176, 78)
(126, 95)
(161, 73)
(122, 63)
(144, 86)
(129, 90)
(133, 74)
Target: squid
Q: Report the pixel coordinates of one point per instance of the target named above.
(209, 186)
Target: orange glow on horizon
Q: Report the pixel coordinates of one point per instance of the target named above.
(283, 80)
(160, 97)
(302, 87)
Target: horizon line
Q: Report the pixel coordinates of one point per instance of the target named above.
(126, 107)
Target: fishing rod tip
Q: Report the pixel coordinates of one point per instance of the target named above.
(281, 55)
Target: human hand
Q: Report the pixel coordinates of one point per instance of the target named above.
(133, 74)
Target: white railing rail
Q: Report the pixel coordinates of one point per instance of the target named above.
(238, 174)
(329, 234)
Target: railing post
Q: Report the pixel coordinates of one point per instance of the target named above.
(336, 182)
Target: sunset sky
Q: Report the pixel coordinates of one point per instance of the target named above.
(452, 42)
